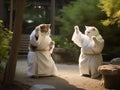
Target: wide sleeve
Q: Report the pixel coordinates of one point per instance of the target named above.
(78, 38)
(98, 44)
(35, 39)
(52, 46)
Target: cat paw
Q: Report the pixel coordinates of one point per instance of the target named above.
(94, 38)
(52, 43)
(76, 28)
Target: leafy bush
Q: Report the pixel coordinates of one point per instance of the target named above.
(57, 41)
(112, 10)
(5, 37)
(70, 48)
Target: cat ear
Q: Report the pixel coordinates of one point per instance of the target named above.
(42, 26)
(94, 29)
(86, 26)
(49, 25)
(37, 28)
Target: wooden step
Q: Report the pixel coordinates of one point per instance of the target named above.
(23, 44)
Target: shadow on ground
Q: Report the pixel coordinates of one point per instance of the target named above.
(57, 82)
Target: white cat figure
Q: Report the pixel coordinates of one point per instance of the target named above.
(91, 44)
(40, 61)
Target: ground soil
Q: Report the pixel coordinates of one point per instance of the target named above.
(68, 79)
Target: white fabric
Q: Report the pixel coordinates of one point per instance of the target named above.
(90, 57)
(40, 62)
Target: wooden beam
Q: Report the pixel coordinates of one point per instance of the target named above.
(11, 67)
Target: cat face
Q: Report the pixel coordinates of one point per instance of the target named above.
(91, 31)
(44, 28)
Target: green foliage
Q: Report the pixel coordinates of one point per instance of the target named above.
(112, 10)
(79, 12)
(112, 37)
(5, 37)
(57, 39)
(33, 14)
(71, 49)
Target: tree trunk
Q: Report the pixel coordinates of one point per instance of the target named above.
(52, 16)
(11, 67)
(11, 15)
(1, 9)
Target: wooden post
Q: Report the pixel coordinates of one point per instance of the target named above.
(111, 76)
(52, 16)
(11, 67)
(11, 15)
(1, 9)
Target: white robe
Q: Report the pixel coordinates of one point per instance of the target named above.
(40, 62)
(90, 57)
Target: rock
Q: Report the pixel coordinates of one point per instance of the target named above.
(59, 50)
(111, 76)
(60, 55)
(105, 63)
(42, 87)
(115, 61)
(109, 69)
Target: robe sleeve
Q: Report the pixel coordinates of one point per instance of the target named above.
(78, 38)
(99, 44)
(33, 40)
(52, 46)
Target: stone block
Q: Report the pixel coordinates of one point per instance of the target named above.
(111, 76)
(115, 61)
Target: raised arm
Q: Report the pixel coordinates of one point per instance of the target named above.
(78, 37)
(98, 44)
(35, 37)
(52, 46)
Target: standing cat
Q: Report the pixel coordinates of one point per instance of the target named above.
(40, 61)
(91, 44)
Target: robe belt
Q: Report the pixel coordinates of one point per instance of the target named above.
(41, 50)
(92, 54)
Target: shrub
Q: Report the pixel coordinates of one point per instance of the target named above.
(5, 37)
(70, 48)
(112, 10)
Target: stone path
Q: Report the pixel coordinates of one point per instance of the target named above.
(68, 79)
